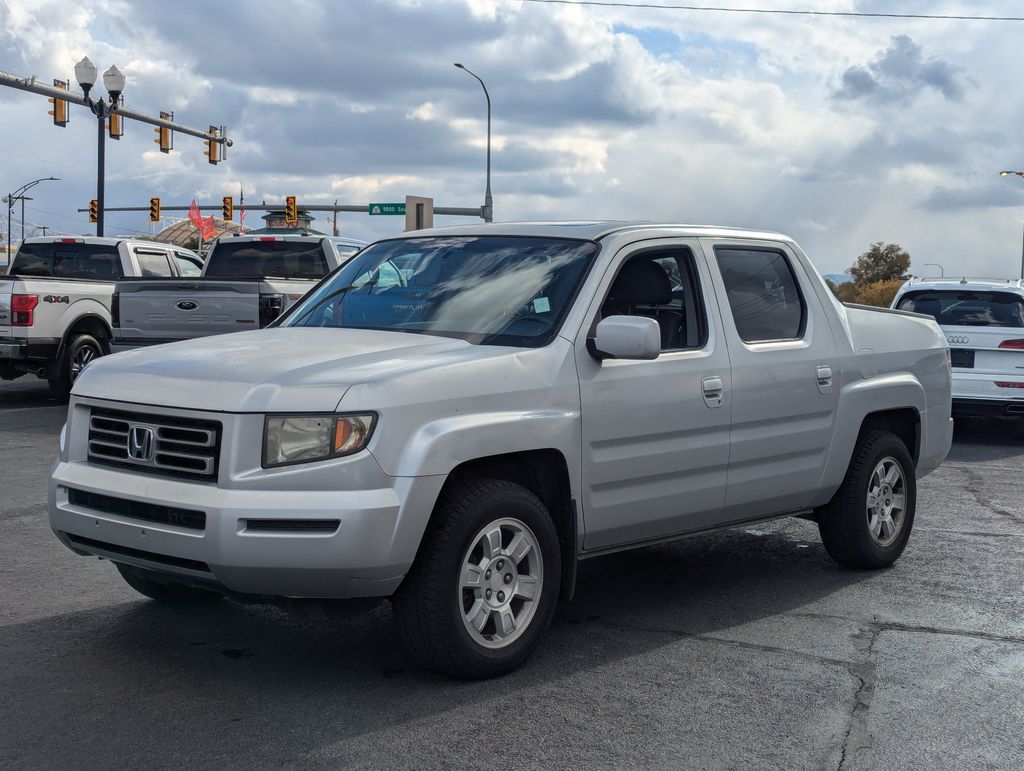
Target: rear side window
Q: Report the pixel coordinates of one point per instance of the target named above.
(967, 309)
(267, 259)
(188, 266)
(99, 262)
(153, 265)
(763, 294)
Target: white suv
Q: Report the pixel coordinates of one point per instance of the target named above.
(983, 321)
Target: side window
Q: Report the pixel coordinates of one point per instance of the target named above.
(187, 266)
(661, 285)
(763, 294)
(153, 264)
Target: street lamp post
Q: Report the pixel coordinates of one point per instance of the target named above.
(942, 271)
(19, 195)
(113, 81)
(1016, 174)
(488, 208)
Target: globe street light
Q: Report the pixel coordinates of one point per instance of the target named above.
(488, 209)
(1016, 174)
(113, 82)
(19, 194)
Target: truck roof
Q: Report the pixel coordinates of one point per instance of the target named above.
(969, 284)
(592, 230)
(107, 240)
(300, 235)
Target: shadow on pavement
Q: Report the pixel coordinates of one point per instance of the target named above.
(980, 440)
(128, 679)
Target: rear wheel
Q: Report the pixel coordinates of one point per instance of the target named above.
(867, 524)
(166, 592)
(79, 352)
(485, 584)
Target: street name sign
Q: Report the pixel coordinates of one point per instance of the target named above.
(388, 208)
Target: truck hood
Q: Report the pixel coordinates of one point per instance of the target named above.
(266, 370)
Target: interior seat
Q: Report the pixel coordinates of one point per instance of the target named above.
(641, 284)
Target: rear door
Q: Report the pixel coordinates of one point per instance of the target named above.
(785, 376)
(985, 332)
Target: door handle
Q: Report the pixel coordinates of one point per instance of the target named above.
(712, 388)
(824, 379)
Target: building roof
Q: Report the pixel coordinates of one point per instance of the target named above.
(184, 232)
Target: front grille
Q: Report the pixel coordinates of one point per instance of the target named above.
(155, 444)
(164, 515)
(179, 562)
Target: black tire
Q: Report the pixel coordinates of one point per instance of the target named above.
(845, 522)
(167, 592)
(430, 605)
(79, 347)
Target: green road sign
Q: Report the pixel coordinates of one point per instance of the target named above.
(388, 208)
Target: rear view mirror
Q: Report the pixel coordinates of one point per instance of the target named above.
(627, 337)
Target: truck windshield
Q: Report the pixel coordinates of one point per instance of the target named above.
(492, 290)
(968, 309)
(267, 259)
(60, 259)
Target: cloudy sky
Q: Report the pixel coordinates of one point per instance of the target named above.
(839, 132)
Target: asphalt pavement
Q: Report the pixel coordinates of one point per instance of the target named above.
(748, 648)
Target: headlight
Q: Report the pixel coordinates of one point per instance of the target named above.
(303, 438)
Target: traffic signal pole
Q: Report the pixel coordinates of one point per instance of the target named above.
(101, 145)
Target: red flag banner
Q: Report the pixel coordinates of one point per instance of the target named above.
(194, 216)
(209, 228)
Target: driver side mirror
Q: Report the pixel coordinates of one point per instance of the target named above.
(626, 337)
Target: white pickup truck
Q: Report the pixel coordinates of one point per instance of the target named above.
(524, 396)
(55, 300)
(246, 283)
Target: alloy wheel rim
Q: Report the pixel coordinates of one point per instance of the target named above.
(886, 501)
(501, 578)
(82, 357)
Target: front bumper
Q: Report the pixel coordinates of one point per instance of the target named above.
(380, 520)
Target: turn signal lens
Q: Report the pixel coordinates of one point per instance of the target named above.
(1017, 345)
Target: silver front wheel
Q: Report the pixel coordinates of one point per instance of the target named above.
(500, 583)
(886, 501)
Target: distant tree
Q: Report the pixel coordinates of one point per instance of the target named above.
(880, 293)
(847, 292)
(882, 262)
(831, 285)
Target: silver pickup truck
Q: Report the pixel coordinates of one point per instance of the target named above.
(457, 417)
(246, 282)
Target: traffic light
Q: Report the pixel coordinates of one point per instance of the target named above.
(227, 211)
(115, 126)
(212, 151)
(165, 135)
(60, 107)
(154, 209)
(291, 211)
(94, 210)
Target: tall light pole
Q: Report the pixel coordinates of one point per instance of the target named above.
(17, 195)
(942, 271)
(113, 81)
(1016, 174)
(488, 208)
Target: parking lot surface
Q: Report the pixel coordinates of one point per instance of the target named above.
(745, 648)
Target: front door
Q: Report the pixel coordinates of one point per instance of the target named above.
(656, 433)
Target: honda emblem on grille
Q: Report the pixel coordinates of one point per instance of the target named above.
(140, 443)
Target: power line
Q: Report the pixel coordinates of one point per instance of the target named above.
(76, 219)
(777, 11)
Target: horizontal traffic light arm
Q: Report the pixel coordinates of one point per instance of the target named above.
(456, 211)
(74, 97)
